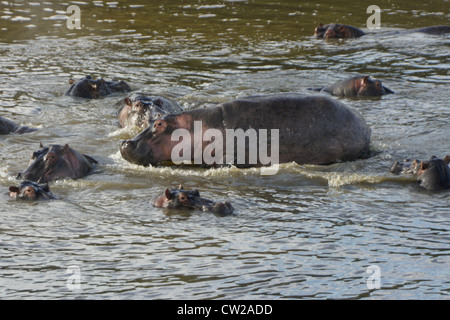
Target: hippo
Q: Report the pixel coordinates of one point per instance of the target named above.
(89, 88)
(190, 199)
(29, 190)
(304, 129)
(57, 162)
(434, 30)
(336, 30)
(433, 174)
(358, 86)
(140, 110)
(7, 127)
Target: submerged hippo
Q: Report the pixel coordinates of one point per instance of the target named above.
(89, 88)
(362, 86)
(184, 199)
(435, 30)
(57, 162)
(7, 127)
(336, 30)
(141, 110)
(29, 190)
(304, 129)
(433, 174)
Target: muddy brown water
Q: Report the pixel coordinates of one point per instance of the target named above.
(306, 232)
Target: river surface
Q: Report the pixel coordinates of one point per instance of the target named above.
(321, 232)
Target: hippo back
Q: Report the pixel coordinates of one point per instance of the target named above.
(312, 129)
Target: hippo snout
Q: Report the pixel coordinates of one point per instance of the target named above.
(135, 153)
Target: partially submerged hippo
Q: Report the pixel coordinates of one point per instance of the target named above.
(57, 162)
(435, 30)
(29, 190)
(304, 129)
(7, 127)
(336, 30)
(184, 199)
(362, 86)
(89, 88)
(433, 174)
(141, 110)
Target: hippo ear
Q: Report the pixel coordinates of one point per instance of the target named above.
(127, 101)
(71, 81)
(196, 193)
(41, 145)
(180, 187)
(66, 148)
(447, 159)
(168, 194)
(320, 25)
(366, 78)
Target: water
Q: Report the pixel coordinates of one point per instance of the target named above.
(307, 232)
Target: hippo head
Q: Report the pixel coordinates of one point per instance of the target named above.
(184, 199)
(434, 174)
(140, 112)
(56, 162)
(153, 145)
(88, 88)
(370, 87)
(29, 190)
(319, 32)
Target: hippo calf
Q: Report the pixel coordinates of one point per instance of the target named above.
(190, 199)
(433, 174)
(358, 86)
(337, 31)
(141, 110)
(7, 127)
(29, 190)
(89, 88)
(304, 129)
(57, 162)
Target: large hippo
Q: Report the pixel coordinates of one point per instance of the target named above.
(304, 129)
(433, 174)
(336, 30)
(7, 127)
(361, 86)
(140, 109)
(190, 199)
(57, 162)
(29, 190)
(89, 88)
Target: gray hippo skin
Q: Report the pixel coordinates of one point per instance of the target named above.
(343, 31)
(358, 86)
(435, 30)
(337, 31)
(29, 190)
(7, 127)
(190, 199)
(57, 162)
(89, 88)
(312, 129)
(433, 174)
(141, 110)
